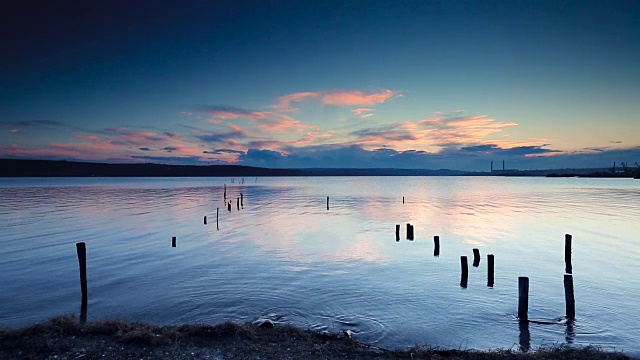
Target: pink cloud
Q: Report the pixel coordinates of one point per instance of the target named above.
(14, 131)
(336, 98)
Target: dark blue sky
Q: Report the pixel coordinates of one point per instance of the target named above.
(386, 84)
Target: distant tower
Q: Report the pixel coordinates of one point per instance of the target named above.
(502, 165)
(492, 166)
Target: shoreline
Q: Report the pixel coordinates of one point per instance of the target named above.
(64, 337)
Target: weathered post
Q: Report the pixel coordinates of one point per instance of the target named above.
(229, 206)
(567, 254)
(238, 203)
(523, 298)
(225, 192)
(436, 245)
(173, 241)
(403, 199)
(464, 278)
(490, 270)
(568, 297)
(408, 231)
(81, 249)
(327, 203)
(217, 224)
(205, 220)
(397, 232)
(242, 200)
(476, 257)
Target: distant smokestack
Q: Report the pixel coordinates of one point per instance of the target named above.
(502, 165)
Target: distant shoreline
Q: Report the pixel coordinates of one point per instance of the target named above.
(65, 338)
(53, 168)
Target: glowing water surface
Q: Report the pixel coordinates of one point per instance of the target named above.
(284, 256)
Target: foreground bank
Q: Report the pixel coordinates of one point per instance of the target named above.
(65, 338)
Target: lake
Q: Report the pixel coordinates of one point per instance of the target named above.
(283, 256)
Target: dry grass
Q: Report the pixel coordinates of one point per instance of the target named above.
(64, 338)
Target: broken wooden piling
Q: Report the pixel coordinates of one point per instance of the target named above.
(81, 249)
(490, 270)
(523, 298)
(436, 245)
(397, 232)
(464, 277)
(173, 241)
(476, 257)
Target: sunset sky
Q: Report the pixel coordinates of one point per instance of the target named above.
(402, 84)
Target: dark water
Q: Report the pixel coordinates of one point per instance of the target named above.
(285, 257)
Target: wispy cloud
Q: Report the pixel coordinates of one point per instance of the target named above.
(336, 98)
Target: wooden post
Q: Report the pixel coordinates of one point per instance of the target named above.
(217, 224)
(82, 262)
(523, 298)
(242, 200)
(397, 232)
(229, 206)
(436, 245)
(568, 297)
(465, 271)
(225, 192)
(476, 257)
(567, 253)
(205, 220)
(403, 199)
(490, 270)
(327, 203)
(408, 231)
(238, 203)
(173, 241)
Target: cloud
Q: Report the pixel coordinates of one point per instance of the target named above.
(14, 131)
(230, 112)
(223, 151)
(362, 113)
(336, 98)
(222, 136)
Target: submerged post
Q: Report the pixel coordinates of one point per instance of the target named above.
(238, 203)
(327, 203)
(225, 192)
(397, 232)
(173, 241)
(490, 270)
(568, 297)
(242, 200)
(476, 257)
(82, 262)
(523, 298)
(403, 199)
(567, 254)
(229, 206)
(217, 224)
(408, 231)
(465, 271)
(436, 245)
(205, 220)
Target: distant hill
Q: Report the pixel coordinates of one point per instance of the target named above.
(48, 168)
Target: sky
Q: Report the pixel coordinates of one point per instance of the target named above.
(301, 84)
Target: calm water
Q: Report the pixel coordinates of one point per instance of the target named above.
(286, 258)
